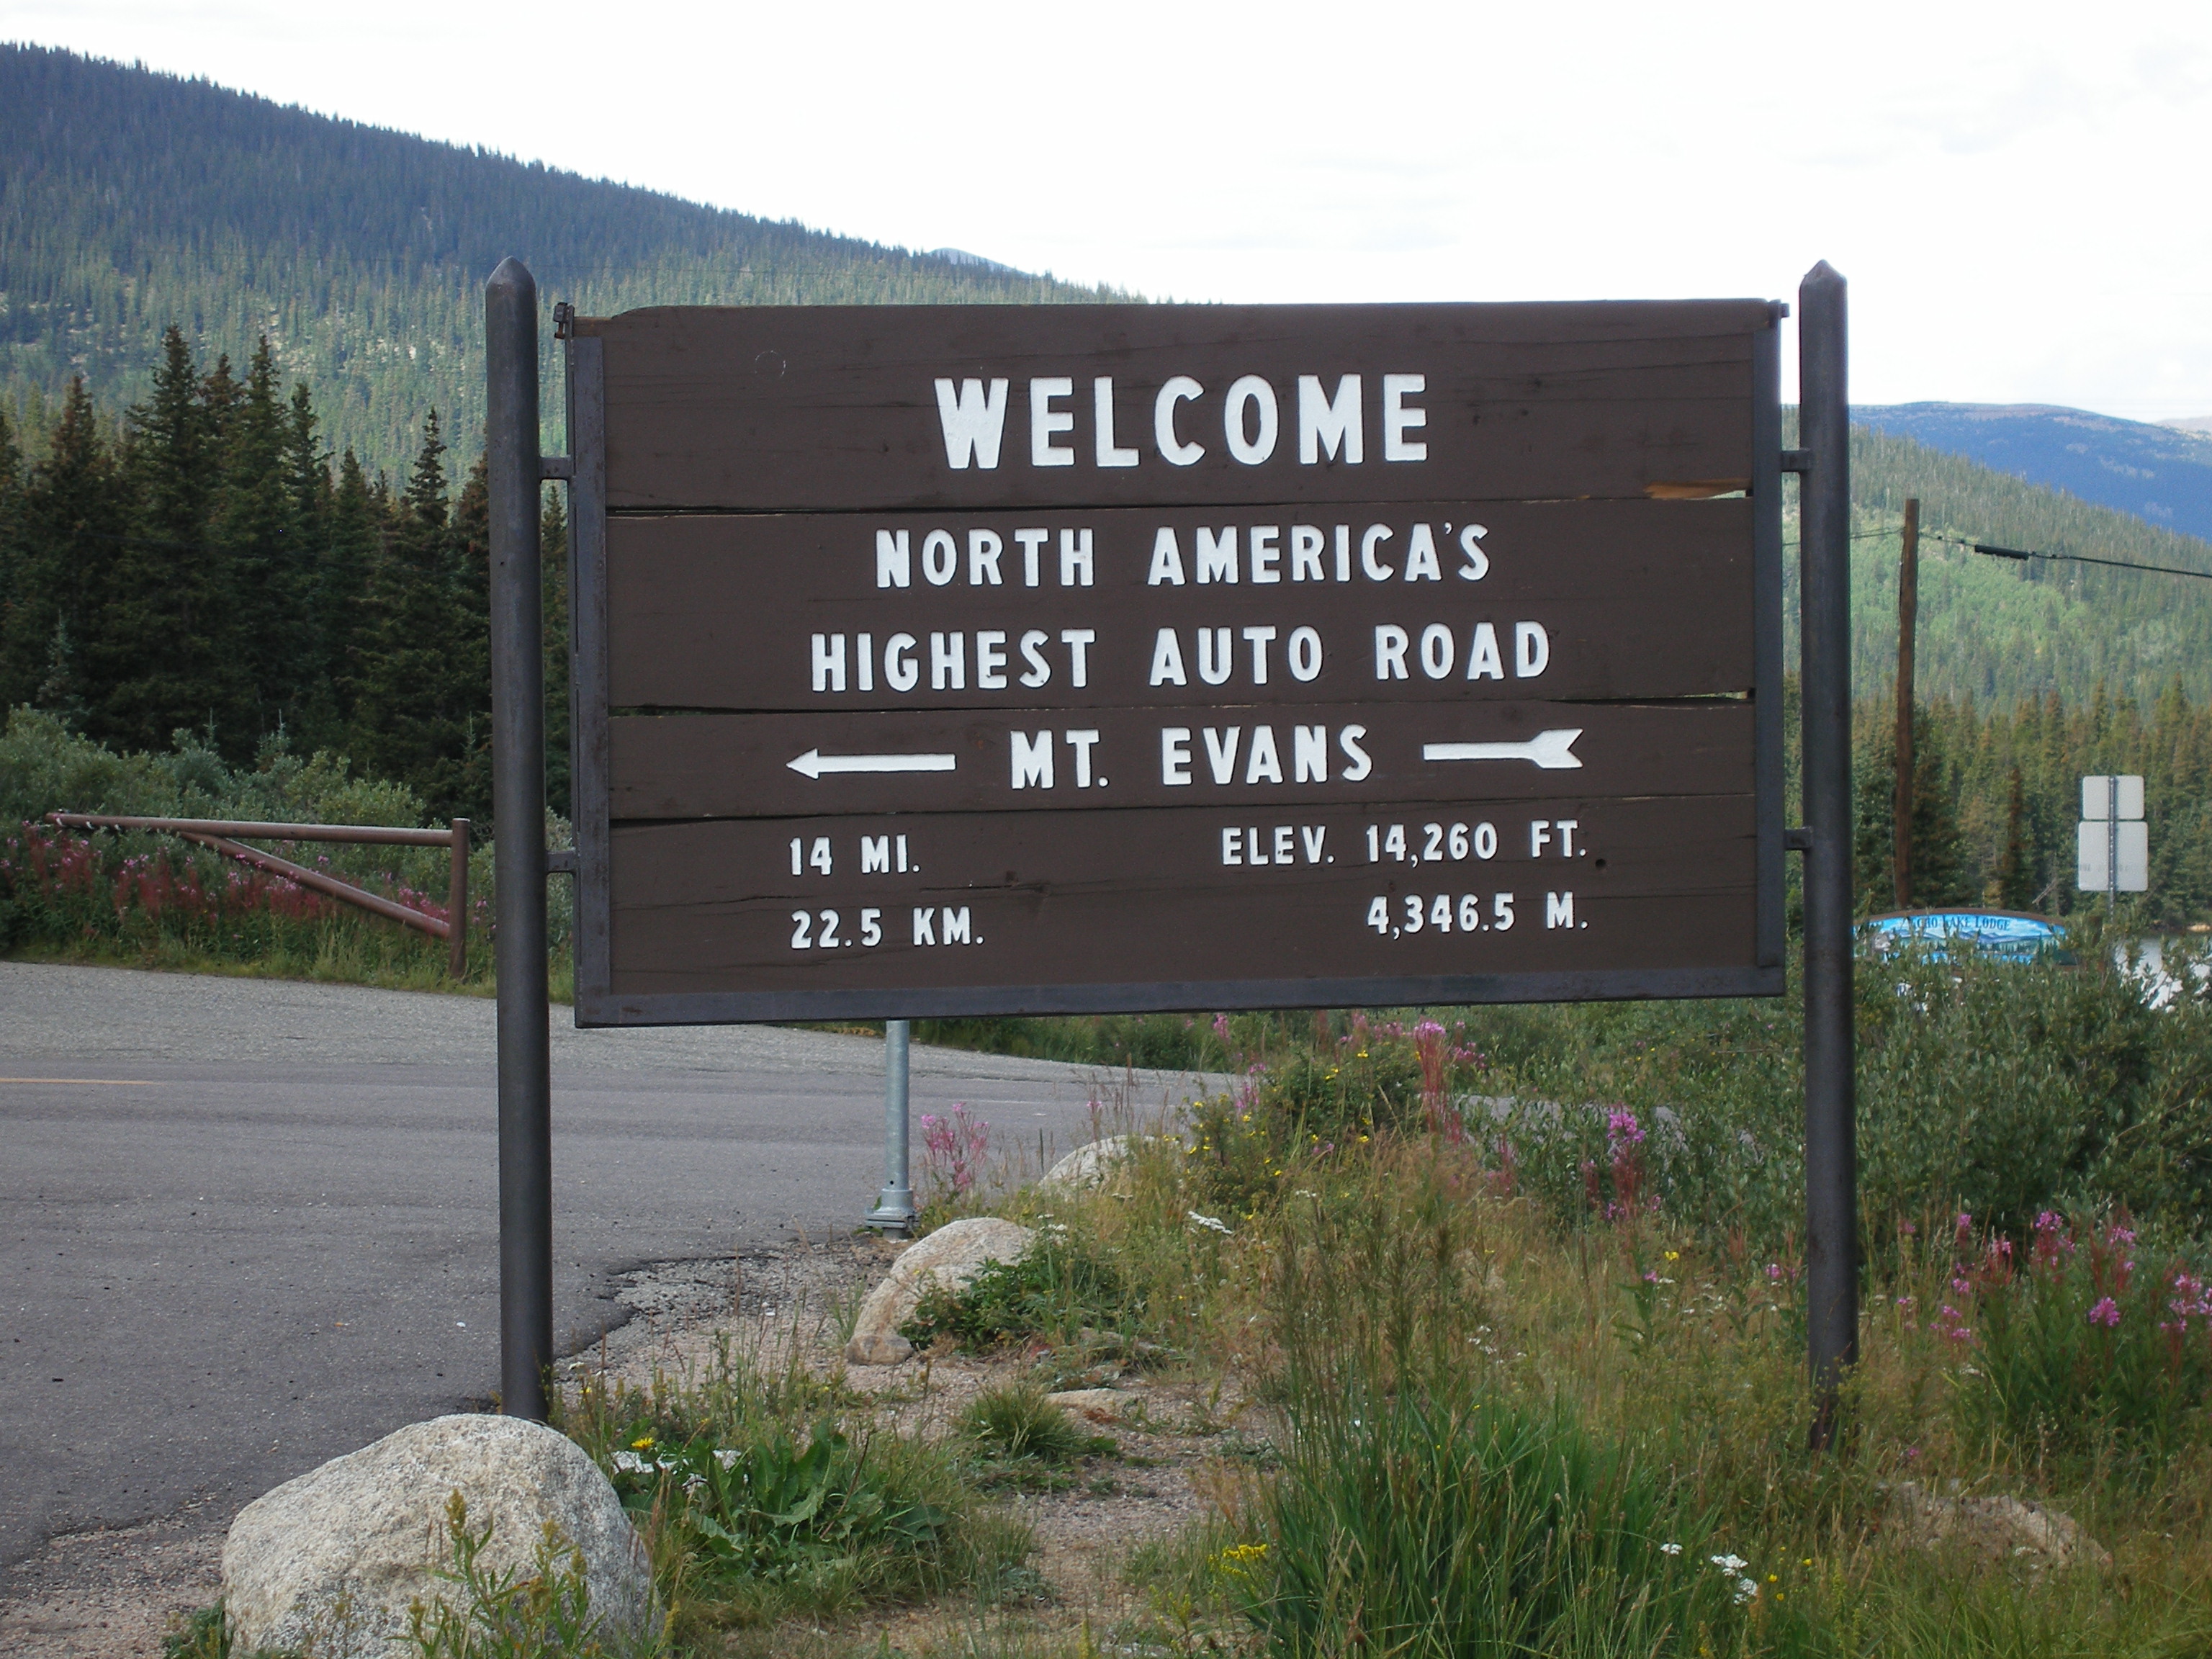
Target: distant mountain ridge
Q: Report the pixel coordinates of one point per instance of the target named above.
(2160, 473)
(129, 200)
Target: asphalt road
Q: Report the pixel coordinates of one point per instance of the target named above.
(248, 1225)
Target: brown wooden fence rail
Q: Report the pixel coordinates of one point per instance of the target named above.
(221, 835)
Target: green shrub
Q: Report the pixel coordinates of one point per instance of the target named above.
(1056, 1288)
(1016, 1421)
(764, 1517)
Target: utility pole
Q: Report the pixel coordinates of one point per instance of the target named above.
(1908, 618)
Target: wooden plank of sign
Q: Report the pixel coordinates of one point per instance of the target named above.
(720, 611)
(1142, 897)
(712, 766)
(815, 408)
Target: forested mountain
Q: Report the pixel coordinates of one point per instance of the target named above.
(131, 200)
(2162, 474)
(1998, 631)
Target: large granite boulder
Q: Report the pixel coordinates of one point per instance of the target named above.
(1995, 1529)
(950, 1257)
(1089, 1165)
(330, 1562)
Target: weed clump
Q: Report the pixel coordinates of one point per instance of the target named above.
(1054, 1288)
(1018, 1422)
(764, 1497)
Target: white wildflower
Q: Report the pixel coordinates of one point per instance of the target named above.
(1730, 1563)
(1212, 1221)
(1670, 1549)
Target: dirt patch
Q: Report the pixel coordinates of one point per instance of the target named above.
(112, 1593)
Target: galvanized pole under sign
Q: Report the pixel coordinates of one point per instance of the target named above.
(893, 1210)
(1830, 1109)
(517, 712)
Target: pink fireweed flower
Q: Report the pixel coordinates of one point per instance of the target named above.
(2106, 1313)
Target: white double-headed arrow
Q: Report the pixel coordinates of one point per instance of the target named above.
(813, 763)
(1552, 751)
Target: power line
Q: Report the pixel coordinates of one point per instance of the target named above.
(1991, 551)
(2023, 555)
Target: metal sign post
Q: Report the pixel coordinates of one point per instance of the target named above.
(1831, 1103)
(518, 708)
(895, 1212)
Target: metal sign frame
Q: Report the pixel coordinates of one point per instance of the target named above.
(517, 469)
(597, 1005)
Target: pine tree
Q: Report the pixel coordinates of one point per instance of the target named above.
(157, 656)
(466, 781)
(351, 556)
(265, 624)
(2013, 879)
(71, 524)
(307, 483)
(406, 725)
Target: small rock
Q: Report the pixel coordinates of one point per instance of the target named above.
(1099, 1405)
(951, 1256)
(329, 1563)
(1088, 1166)
(1996, 1528)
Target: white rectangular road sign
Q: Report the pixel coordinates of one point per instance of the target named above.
(2093, 873)
(2097, 797)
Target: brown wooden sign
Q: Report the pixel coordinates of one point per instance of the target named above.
(1000, 659)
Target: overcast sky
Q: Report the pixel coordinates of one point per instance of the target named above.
(2017, 192)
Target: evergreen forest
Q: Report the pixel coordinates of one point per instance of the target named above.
(202, 570)
(131, 201)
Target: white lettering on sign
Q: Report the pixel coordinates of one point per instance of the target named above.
(1477, 562)
(983, 549)
(1250, 419)
(1399, 417)
(1032, 759)
(940, 557)
(974, 421)
(894, 559)
(1531, 652)
(1046, 422)
(1179, 389)
(1250, 847)
(990, 660)
(1030, 540)
(1217, 554)
(1331, 426)
(1262, 756)
(1102, 406)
